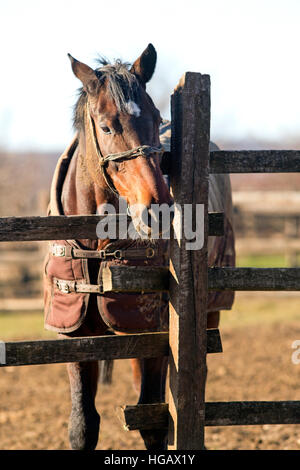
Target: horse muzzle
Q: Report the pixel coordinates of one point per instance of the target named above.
(152, 222)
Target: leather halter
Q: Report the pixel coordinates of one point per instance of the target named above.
(142, 150)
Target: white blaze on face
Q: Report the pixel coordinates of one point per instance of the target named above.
(133, 108)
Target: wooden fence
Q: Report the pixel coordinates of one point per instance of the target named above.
(188, 281)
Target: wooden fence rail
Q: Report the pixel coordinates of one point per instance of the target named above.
(95, 348)
(149, 279)
(255, 161)
(254, 279)
(74, 226)
(247, 161)
(236, 413)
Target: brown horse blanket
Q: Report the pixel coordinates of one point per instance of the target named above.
(66, 308)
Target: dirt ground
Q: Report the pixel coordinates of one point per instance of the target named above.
(255, 365)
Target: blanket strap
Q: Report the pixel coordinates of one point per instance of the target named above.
(79, 287)
(75, 253)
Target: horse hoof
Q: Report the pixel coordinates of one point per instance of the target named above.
(84, 431)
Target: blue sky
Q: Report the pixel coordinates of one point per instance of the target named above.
(250, 49)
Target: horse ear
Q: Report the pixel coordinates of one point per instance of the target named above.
(144, 66)
(85, 74)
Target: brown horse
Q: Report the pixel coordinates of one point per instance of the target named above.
(114, 154)
(113, 115)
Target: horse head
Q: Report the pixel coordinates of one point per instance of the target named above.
(121, 125)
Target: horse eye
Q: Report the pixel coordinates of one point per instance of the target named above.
(106, 130)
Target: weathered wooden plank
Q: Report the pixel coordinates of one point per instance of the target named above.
(53, 227)
(246, 161)
(246, 413)
(74, 226)
(243, 413)
(85, 349)
(151, 279)
(190, 109)
(141, 417)
(135, 278)
(94, 348)
(254, 279)
(255, 161)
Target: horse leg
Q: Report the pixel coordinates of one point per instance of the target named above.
(84, 420)
(150, 375)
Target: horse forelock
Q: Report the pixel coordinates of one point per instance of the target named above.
(122, 86)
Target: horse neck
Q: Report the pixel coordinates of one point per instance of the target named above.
(81, 194)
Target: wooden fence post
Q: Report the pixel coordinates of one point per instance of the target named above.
(190, 107)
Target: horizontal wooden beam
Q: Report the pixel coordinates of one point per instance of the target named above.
(255, 161)
(247, 161)
(135, 278)
(254, 279)
(151, 279)
(247, 413)
(74, 226)
(95, 348)
(143, 345)
(52, 227)
(243, 413)
(142, 417)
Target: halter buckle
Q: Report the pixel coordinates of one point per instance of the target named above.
(102, 254)
(58, 250)
(118, 254)
(150, 252)
(63, 286)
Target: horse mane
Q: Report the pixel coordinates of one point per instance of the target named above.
(122, 86)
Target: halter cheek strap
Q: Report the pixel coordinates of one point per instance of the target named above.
(142, 150)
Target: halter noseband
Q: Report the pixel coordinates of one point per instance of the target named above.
(142, 150)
